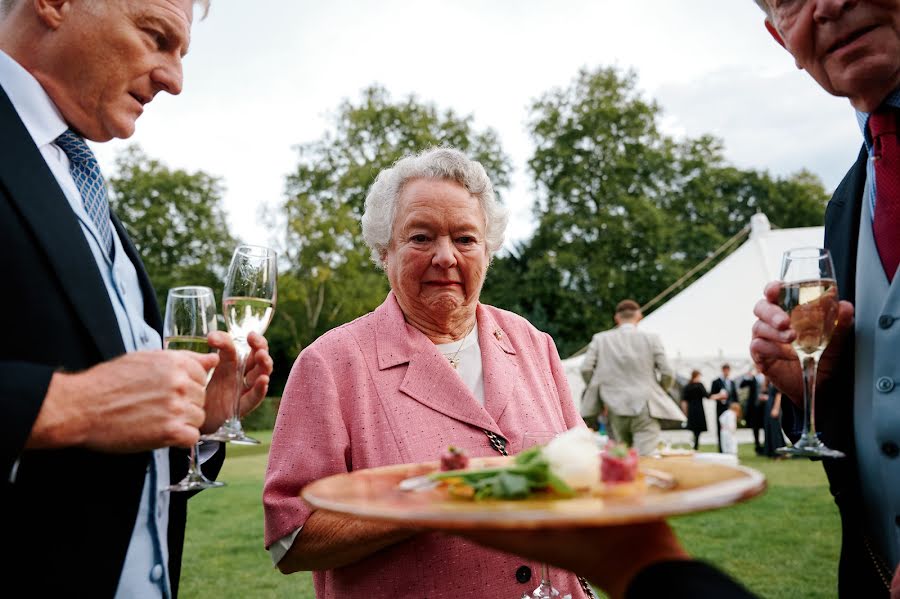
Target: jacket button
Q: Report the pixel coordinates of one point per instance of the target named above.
(885, 384)
(885, 321)
(523, 574)
(890, 449)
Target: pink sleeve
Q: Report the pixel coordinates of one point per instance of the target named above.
(309, 441)
(567, 402)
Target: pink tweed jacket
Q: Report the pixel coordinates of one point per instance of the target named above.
(375, 392)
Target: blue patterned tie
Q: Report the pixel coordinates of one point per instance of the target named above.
(89, 179)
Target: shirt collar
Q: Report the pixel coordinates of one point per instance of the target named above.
(627, 326)
(862, 118)
(38, 112)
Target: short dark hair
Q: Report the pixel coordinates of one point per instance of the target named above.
(695, 374)
(627, 305)
(726, 365)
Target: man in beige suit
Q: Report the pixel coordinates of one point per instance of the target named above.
(620, 368)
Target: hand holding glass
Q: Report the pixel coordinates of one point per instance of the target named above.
(809, 295)
(248, 302)
(190, 316)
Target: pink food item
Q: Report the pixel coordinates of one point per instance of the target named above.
(618, 464)
(454, 459)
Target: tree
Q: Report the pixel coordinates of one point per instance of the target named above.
(328, 276)
(623, 210)
(175, 219)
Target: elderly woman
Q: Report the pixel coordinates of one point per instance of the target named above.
(429, 368)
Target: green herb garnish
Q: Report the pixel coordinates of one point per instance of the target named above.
(528, 473)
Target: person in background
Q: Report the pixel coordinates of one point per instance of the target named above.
(93, 414)
(728, 421)
(627, 372)
(755, 405)
(724, 392)
(429, 368)
(851, 48)
(692, 396)
(774, 435)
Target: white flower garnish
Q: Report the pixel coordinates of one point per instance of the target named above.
(573, 457)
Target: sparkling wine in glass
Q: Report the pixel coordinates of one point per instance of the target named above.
(809, 295)
(248, 303)
(545, 589)
(190, 316)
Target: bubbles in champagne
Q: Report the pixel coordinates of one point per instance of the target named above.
(813, 308)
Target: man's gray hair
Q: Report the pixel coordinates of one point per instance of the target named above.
(445, 164)
(765, 8)
(7, 5)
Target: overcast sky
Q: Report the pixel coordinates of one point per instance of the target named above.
(264, 76)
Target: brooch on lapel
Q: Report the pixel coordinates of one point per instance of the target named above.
(498, 334)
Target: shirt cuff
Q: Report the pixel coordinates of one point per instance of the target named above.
(279, 548)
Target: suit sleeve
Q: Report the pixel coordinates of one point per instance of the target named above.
(684, 580)
(23, 387)
(666, 374)
(558, 371)
(310, 441)
(589, 362)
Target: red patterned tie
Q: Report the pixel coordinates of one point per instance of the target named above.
(883, 127)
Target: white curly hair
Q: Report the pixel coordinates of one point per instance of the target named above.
(447, 164)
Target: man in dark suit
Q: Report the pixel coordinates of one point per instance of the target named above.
(724, 392)
(852, 49)
(92, 412)
(755, 405)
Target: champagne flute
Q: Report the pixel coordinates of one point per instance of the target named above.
(809, 295)
(544, 590)
(248, 302)
(190, 316)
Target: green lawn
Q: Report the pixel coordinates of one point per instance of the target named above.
(783, 544)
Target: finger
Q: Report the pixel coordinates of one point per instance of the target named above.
(772, 291)
(766, 353)
(199, 365)
(185, 436)
(261, 364)
(221, 341)
(765, 331)
(771, 314)
(193, 414)
(257, 341)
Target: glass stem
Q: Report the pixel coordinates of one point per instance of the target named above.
(545, 574)
(194, 467)
(810, 365)
(243, 350)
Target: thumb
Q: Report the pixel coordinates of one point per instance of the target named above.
(207, 361)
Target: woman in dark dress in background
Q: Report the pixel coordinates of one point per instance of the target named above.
(692, 404)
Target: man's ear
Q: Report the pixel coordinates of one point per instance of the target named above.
(51, 12)
(774, 33)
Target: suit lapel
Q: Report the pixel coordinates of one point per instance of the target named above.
(842, 226)
(429, 379)
(44, 208)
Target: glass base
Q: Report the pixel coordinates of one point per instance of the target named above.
(230, 434)
(545, 590)
(809, 446)
(195, 482)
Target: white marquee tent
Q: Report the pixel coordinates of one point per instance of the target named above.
(710, 321)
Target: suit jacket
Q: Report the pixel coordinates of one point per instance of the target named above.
(861, 573)
(717, 386)
(68, 517)
(375, 392)
(684, 579)
(620, 368)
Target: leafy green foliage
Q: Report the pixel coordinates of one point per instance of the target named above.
(623, 209)
(175, 219)
(328, 278)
